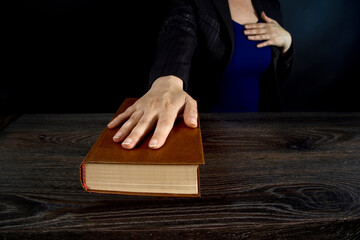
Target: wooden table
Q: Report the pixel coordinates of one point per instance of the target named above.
(267, 176)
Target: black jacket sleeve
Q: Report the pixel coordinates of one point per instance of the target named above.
(176, 43)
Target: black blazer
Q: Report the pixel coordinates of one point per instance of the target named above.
(196, 44)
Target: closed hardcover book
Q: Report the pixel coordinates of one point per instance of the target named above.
(172, 170)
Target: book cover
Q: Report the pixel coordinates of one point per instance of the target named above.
(141, 167)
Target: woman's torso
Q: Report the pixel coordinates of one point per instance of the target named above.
(205, 25)
(239, 85)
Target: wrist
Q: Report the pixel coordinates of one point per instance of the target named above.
(286, 45)
(169, 82)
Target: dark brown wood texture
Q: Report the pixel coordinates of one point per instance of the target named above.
(267, 176)
(6, 119)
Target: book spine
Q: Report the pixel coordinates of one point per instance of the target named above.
(82, 176)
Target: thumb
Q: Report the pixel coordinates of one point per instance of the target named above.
(190, 112)
(266, 18)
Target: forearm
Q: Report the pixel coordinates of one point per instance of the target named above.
(176, 43)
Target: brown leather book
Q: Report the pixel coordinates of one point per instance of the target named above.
(172, 170)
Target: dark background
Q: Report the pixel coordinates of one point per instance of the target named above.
(87, 56)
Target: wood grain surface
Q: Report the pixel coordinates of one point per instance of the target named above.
(266, 176)
(6, 119)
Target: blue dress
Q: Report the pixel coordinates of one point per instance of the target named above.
(239, 86)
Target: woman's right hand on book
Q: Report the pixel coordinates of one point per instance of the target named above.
(161, 105)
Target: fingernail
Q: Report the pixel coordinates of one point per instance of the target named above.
(153, 143)
(127, 141)
(118, 135)
(193, 121)
(110, 123)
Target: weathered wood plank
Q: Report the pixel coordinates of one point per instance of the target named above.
(340, 229)
(266, 176)
(74, 134)
(7, 119)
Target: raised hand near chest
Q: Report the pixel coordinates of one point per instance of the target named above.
(270, 32)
